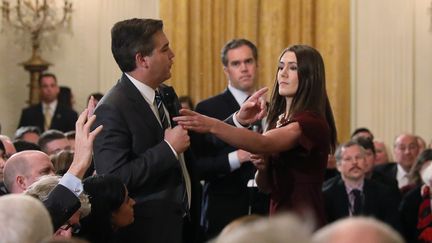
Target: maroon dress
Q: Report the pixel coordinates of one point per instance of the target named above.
(297, 174)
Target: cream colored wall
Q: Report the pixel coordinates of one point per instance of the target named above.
(391, 67)
(83, 60)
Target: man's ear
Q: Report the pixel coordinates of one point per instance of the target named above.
(21, 182)
(141, 61)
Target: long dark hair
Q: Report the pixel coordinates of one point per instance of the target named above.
(311, 94)
(106, 194)
(414, 174)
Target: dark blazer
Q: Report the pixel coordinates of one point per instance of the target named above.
(132, 147)
(64, 118)
(379, 201)
(408, 210)
(388, 169)
(226, 195)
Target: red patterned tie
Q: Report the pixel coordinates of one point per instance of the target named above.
(425, 216)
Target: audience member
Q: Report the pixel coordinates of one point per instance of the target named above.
(42, 187)
(284, 228)
(421, 144)
(291, 156)
(8, 145)
(362, 132)
(357, 230)
(70, 136)
(29, 133)
(405, 151)
(62, 161)
(415, 208)
(23, 219)
(21, 145)
(382, 156)
(139, 145)
(227, 171)
(112, 208)
(352, 194)
(49, 113)
(186, 102)
(53, 141)
(66, 97)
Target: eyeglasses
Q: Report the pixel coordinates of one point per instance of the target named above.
(75, 227)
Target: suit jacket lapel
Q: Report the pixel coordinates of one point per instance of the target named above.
(230, 101)
(343, 207)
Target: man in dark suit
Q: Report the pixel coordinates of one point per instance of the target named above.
(405, 151)
(49, 113)
(229, 190)
(139, 144)
(352, 194)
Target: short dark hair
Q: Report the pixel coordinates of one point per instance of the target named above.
(132, 36)
(366, 143)
(43, 75)
(22, 145)
(236, 43)
(49, 136)
(20, 132)
(362, 129)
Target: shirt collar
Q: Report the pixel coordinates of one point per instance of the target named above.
(239, 95)
(349, 188)
(52, 106)
(146, 91)
(401, 173)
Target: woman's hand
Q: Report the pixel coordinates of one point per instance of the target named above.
(253, 109)
(196, 122)
(260, 161)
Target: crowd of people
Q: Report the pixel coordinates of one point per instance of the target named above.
(142, 165)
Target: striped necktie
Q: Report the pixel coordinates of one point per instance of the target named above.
(161, 111)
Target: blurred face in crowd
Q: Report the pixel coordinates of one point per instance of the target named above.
(369, 160)
(31, 137)
(57, 145)
(426, 172)
(49, 89)
(406, 150)
(352, 165)
(241, 68)
(381, 153)
(125, 214)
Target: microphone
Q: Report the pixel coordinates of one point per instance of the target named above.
(171, 102)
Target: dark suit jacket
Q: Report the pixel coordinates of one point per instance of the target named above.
(132, 147)
(389, 170)
(226, 195)
(64, 118)
(408, 210)
(379, 201)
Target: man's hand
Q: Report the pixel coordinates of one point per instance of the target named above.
(260, 161)
(243, 156)
(178, 138)
(253, 109)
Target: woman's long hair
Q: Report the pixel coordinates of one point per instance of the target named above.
(311, 94)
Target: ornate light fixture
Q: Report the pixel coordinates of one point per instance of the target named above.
(36, 18)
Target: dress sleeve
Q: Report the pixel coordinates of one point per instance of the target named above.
(314, 128)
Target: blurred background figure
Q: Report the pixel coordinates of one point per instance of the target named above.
(362, 132)
(62, 161)
(382, 155)
(28, 133)
(186, 102)
(97, 96)
(66, 97)
(70, 136)
(53, 141)
(21, 145)
(421, 143)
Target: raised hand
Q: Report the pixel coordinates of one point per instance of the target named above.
(178, 138)
(194, 121)
(253, 109)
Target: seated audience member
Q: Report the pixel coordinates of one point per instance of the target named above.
(62, 161)
(112, 208)
(405, 151)
(186, 102)
(421, 144)
(362, 132)
(8, 145)
(49, 113)
(53, 141)
(415, 208)
(29, 133)
(382, 156)
(351, 194)
(357, 230)
(23, 219)
(21, 145)
(40, 190)
(283, 228)
(70, 136)
(24, 168)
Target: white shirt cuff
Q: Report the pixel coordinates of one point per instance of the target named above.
(233, 161)
(236, 122)
(175, 153)
(72, 183)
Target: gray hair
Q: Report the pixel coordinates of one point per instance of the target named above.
(23, 219)
(45, 184)
(340, 149)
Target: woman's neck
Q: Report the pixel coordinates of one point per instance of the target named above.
(288, 101)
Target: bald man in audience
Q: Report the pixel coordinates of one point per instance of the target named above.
(24, 168)
(405, 151)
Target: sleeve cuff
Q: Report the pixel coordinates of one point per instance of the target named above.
(236, 122)
(233, 161)
(175, 153)
(72, 183)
